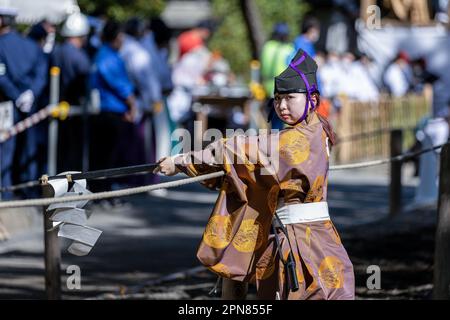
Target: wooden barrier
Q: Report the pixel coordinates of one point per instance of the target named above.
(52, 253)
(356, 118)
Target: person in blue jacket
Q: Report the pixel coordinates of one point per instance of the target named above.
(23, 76)
(75, 67)
(310, 33)
(117, 102)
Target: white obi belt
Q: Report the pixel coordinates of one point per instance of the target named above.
(302, 212)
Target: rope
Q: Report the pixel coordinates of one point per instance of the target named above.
(142, 189)
(400, 157)
(107, 194)
(144, 168)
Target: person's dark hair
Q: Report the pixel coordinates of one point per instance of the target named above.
(309, 23)
(325, 123)
(161, 31)
(210, 24)
(111, 31)
(38, 32)
(135, 27)
(280, 32)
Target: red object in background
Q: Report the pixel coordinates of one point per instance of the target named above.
(404, 56)
(324, 108)
(188, 41)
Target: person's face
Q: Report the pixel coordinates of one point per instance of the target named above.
(290, 106)
(117, 44)
(314, 34)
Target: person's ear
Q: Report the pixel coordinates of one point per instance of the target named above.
(315, 99)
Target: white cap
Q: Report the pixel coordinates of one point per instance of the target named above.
(76, 25)
(8, 11)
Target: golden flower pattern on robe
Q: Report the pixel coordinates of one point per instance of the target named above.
(331, 272)
(218, 232)
(249, 236)
(293, 147)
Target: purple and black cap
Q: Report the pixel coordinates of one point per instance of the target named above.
(299, 77)
(291, 80)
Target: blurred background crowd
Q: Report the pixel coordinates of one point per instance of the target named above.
(140, 74)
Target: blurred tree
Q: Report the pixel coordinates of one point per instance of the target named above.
(232, 39)
(122, 9)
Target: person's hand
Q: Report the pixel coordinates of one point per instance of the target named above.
(25, 101)
(130, 115)
(166, 166)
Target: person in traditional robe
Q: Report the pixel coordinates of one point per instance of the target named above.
(278, 182)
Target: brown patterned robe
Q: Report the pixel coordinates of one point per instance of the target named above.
(237, 243)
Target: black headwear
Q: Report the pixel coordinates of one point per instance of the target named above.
(299, 77)
(290, 81)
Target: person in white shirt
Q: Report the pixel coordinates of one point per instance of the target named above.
(397, 76)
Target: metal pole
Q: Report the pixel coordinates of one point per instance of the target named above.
(441, 287)
(395, 188)
(52, 254)
(53, 123)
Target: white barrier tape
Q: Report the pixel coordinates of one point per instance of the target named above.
(27, 123)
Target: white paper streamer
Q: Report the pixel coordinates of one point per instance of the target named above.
(70, 217)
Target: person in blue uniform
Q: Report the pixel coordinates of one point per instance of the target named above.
(310, 33)
(75, 66)
(23, 76)
(117, 103)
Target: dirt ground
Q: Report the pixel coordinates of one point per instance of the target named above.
(403, 248)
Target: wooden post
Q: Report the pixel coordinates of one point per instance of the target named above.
(52, 253)
(441, 288)
(234, 290)
(395, 189)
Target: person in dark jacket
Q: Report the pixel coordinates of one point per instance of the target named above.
(23, 75)
(75, 66)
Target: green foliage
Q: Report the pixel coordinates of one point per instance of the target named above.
(232, 39)
(123, 9)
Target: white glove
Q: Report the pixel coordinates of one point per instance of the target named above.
(25, 101)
